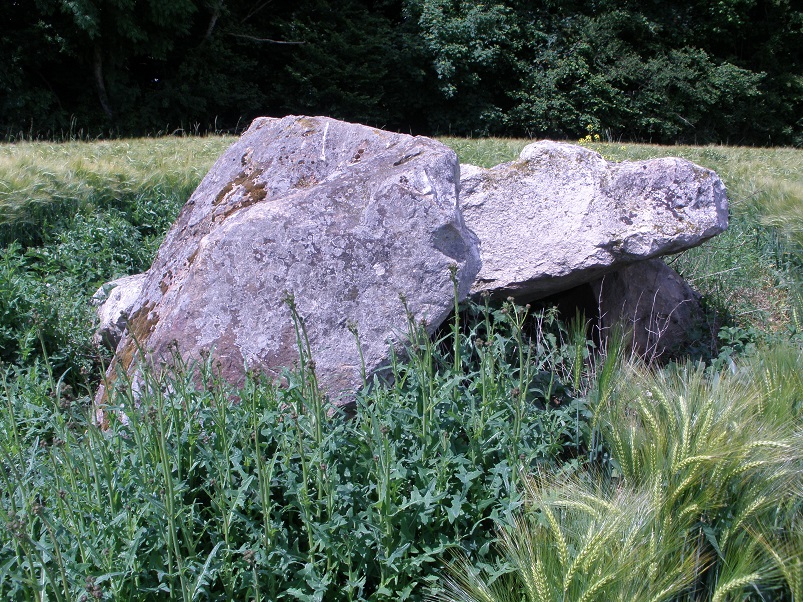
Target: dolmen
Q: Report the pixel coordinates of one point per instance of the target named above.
(357, 230)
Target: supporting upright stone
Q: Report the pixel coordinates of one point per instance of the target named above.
(658, 310)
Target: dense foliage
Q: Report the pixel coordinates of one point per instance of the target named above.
(198, 491)
(74, 216)
(691, 70)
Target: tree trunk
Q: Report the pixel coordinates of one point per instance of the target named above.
(212, 22)
(99, 83)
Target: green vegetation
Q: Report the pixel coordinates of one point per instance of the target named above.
(689, 71)
(76, 215)
(193, 495)
(702, 497)
(597, 478)
(45, 186)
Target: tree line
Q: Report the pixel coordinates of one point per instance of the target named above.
(694, 71)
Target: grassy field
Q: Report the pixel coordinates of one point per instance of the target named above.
(511, 460)
(42, 183)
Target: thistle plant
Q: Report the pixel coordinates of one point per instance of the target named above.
(200, 490)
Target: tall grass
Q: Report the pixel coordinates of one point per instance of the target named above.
(581, 543)
(703, 502)
(73, 216)
(486, 152)
(43, 183)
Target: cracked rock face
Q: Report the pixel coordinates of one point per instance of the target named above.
(344, 217)
(562, 215)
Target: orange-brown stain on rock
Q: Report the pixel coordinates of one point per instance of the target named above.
(253, 192)
(164, 283)
(306, 181)
(140, 326)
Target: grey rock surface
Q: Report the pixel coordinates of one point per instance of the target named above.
(562, 215)
(344, 217)
(657, 308)
(115, 302)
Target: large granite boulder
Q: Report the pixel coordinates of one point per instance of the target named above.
(659, 312)
(343, 217)
(562, 215)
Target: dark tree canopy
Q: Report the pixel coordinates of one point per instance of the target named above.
(682, 71)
